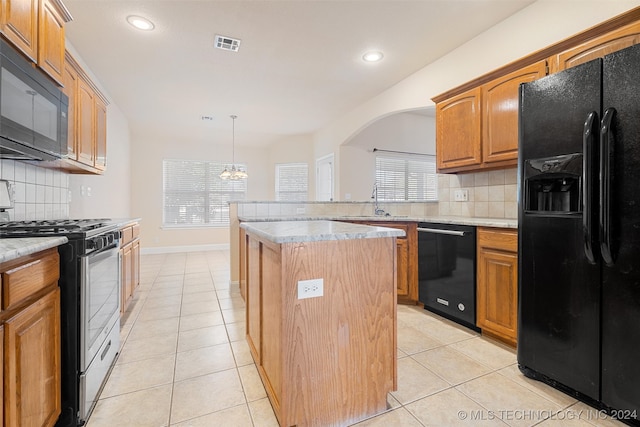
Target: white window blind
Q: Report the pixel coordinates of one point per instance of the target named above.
(406, 177)
(292, 181)
(194, 194)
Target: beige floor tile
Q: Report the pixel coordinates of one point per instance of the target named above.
(447, 332)
(153, 328)
(451, 365)
(200, 320)
(202, 361)
(411, 341)
(593, 416)
(155, 313)
(251, 383)
(139, 375)
(415, 381)
(262, 413)
(512, 403)
(487, 352)
(237, 416)
(134, 350)
(513, 373)
(397, 418)
(153, 302)
(234, 315)
(148, 407)
(199, 307)
(167, 292)
(232, 303)
(237, 331)
(203, 395)
(207, 296)
(241, 353)
(197, 287)
(203, 337)
(451, 408)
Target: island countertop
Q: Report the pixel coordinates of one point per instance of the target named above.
(311, 231)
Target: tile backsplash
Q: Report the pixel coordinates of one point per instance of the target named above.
(38, 193)
(492, 194)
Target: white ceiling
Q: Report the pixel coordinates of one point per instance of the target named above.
(298, 68)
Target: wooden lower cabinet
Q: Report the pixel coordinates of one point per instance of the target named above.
(327, 360)
(30, 331)
(130, 264)
(497, 283)
(407, 258)
(32, 364)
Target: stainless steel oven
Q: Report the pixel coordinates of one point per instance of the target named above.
(89, 306)
(99, 319)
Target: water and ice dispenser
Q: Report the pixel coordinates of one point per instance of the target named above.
(553, 184)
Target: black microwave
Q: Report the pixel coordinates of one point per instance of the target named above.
(33, 111)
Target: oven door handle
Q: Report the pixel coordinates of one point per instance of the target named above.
(441, 231)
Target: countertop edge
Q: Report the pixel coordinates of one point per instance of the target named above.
(316, 230)
(14, 248)
(479, 222)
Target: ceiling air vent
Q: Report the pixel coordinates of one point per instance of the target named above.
(227, 43)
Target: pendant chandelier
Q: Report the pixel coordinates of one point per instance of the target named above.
(234, 173)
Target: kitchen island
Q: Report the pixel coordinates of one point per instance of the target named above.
(321, 318)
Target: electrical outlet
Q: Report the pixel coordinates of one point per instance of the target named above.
(461, 195)
(310, 288)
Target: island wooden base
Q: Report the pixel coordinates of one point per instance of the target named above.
(328, 360)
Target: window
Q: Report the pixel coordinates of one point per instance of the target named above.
(292, 181)
(407, 177)
(194, 194)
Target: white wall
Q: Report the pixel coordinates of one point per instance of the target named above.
(543, 23)
(409, 132)
(148, 152)
(107, 195)
(293, 149)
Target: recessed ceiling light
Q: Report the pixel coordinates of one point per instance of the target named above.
(373, 56)
(140, 23)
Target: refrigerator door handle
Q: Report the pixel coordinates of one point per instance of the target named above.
(607, 146)
(589, 151)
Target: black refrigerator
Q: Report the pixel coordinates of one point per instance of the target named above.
(579, 232)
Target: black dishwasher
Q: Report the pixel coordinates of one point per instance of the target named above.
(447, 271)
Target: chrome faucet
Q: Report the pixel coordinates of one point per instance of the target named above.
(374, 196)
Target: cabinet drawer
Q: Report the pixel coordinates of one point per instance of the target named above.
(135, 230)
(127, 235)
(26, 279)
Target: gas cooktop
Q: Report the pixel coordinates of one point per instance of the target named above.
(55, 227)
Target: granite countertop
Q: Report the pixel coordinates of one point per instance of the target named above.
(121, 222)
(312, 231)
(482, 222)
(12, 248)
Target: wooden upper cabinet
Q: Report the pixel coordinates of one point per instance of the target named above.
(598, 47)
(85, 119)
(19, 24)
(458, 131)
(36, 27)
(100, 160)
(70, 82)
(500, 113)
(51, 38)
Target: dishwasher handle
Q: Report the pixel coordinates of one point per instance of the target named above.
(442, 231)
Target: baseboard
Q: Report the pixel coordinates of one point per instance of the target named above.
(176, 249)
